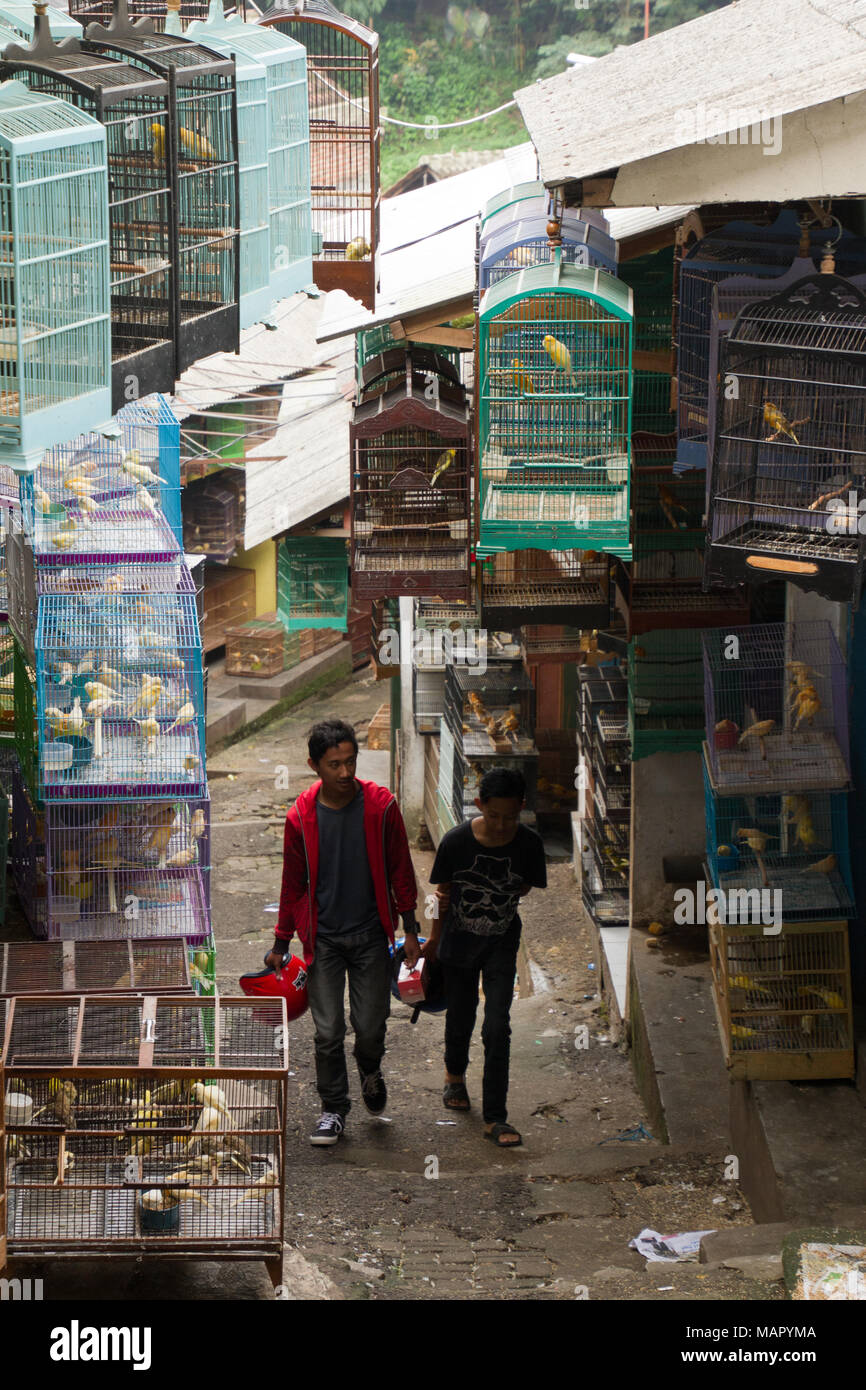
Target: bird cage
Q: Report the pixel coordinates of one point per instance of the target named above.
(129, 104)
(437, 613)
(146, 1125)
(202, 164)
(556, 792)
(549, 644)
(55, 334)
(24, 697)
(256, 648)
(651, 279)
(507, 206)
(371, 343)
(100, 501)
(202, 966)
(100, 11)
(7, 686)
(491, 713)
(468, 773)
(134, 868)
(343, 88)
(796, 844)
(527, 242)
(554, 420)
(27, 854)
(254, 249)
(384, 370)
(134, 966)
(213, 511)
(776, 709)
(411, 460)
(545, 586)
(789, 461)
(287, 144)
(312, 583)
(665, 693)
(18, 15)
(120, 703)
(783, 1002)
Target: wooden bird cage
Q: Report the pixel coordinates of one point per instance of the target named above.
(112, 1148)
(129, 104)
(545, 586)
(411, 452)
(199, 145)
(343, 83)
(133, 966)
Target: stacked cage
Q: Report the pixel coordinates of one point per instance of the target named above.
(151, 1124)
(603, 782)
(312, 583)
(789, 462)
(343, 85)
(411, 450)
(104, 967)
(665, 692)
(776, 776)
(651, 279)
(100, 11)
(532, 240)
(443, 635)
(490, 720)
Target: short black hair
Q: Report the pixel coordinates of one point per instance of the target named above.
(503, 782)
(328, 734)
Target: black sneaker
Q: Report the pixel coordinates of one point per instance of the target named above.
(328, 1130)
(374, 1092)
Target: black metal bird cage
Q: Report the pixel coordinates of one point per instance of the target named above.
(343, 77)
(789, 465)
(411, 466)
(198, 143)
(129, 103)
(546, 586)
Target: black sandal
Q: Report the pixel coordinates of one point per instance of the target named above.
(455, 1096)
(495, 1136)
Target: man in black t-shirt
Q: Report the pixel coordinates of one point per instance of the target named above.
(482, 870)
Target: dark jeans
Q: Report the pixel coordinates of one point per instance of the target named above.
(496, 968)
(366, 960)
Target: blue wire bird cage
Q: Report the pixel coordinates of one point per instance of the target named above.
(129, 104)
(312, 583)
(789, 466)
(287, 143)
(776, 709)
(776, 842)
(120, 698)
(199, 145)
(128, 869)
(343, 93)
(18, 16)
(554, 413)
(526, 242)
(55, 328)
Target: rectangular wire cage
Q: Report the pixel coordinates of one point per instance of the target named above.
(789, 463)
(312, 583)
(491, 714)
(147, 1124)
(554, 411)
(213, 515)
(120, 699)
(462, 614)
(343, 94)
(776, 708)
(551, 644)
(133, 868)
(27, 854)
(55, 326)
(525, 242)
(130, 105)
(546, 586)
(665, 693)
(102, 967)
(783, 1002)
(199, 145)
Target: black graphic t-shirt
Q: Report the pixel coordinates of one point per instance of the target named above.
(485, 882)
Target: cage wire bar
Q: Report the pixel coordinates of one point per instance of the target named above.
(100, 11)
(130, 105)
(146, 1124)
(312, 583)
(287, 142)
(789, 463)
(55, 328)
(76, 967)
(665, 695)
(199, 145)
(343, 92)
(545, 586)
(411, 451)
(526, 242)
(554, 414)
(371, 343)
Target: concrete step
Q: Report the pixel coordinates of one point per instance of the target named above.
(224, 717)
(276, 688)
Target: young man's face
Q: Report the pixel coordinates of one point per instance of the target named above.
(501, 815)
(337, 769)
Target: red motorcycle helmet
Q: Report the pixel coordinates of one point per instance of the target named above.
(291, 984)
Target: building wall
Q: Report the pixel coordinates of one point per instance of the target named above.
(667, 819)
(263, 560)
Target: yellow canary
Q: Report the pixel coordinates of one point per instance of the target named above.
(808, 704)
(191, 762)
(443, 463)
(197, 825)
(829, 996)
(746, 982)
(149, 727)
(755, 839)
(193, 143)
(758, 731)
(182, 858)
(97, 691)
(139, 471)
(43, 501)
(558, 354)
(521, 378)
(779, 423)
(184, 716)
(738, 1030)
(669, 505)
(358, 249)
(157, 130)
(824, 866)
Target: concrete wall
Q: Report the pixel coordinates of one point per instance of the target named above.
(411, 743)
(667, 818)
(262, 559)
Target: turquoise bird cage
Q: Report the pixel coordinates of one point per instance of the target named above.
(554, 411)
(18, 16)
(55, 325)
(288, 141)
(217, 32)
(312, 583)
(198, 144)
(520, 200)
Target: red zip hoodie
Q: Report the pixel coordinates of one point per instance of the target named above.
(387, 853)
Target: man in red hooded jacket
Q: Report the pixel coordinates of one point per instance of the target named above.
(347, 874)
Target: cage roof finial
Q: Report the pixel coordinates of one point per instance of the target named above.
(42, 45)
(120, 26)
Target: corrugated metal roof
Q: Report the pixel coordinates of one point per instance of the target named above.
(767, 57)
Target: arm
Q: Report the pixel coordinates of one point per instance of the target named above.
(401, 876)
(293, 886)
